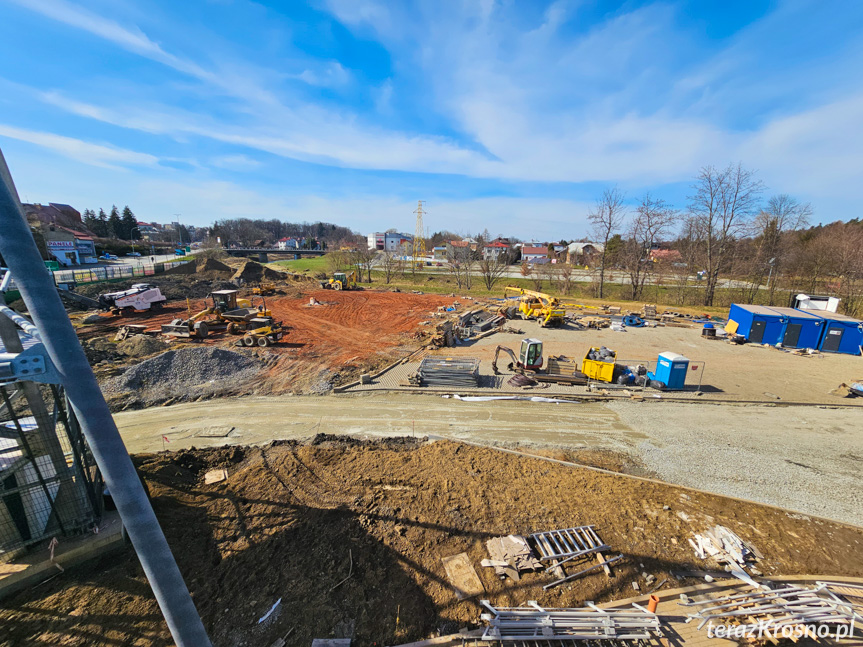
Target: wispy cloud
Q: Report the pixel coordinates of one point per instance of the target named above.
(129, 38)
(78, 150)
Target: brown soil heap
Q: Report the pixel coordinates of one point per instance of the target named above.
(286, 520)
(253, 272)
(213, 265)
(141, 346)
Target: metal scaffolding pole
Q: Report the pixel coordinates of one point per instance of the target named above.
(40, 295)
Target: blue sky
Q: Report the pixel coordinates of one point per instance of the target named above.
(506, 115)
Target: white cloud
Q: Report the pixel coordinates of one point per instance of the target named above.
(235, 162)
(78, 150)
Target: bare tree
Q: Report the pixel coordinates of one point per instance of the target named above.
(364, 259)
(459, 260)
(606, 218)
(492, 269)
(723, 202)
(564, 278)
(652, 221)
(782, 215)
(390, 264)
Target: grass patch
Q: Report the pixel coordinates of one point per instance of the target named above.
(309, 264)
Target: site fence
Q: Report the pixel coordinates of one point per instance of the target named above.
(113, 272)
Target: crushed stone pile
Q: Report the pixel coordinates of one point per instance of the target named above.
(141, 346)
(252, 272)
(184, 372)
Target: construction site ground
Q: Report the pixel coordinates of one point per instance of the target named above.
(727, 372)
(349, 537)
(807, 459)
(345, 334)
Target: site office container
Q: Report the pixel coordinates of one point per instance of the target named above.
(774, 325)
(800, 328)
(840, 334)
(759, 324)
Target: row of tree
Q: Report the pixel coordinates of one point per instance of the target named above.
(726, 230)
(247, 232)
(112, 225)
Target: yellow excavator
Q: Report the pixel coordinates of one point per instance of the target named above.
(537, 305)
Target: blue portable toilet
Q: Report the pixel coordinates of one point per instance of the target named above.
(759, 324)
(671, 370)
(800, 328)
(841, 334)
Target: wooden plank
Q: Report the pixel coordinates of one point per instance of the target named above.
(601, 559)
(462, 576)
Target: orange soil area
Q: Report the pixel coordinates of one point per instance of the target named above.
(347, 330)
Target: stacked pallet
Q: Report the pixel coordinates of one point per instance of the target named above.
(449, 372)
(562, 365)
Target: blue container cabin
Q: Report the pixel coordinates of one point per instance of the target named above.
(840, 334)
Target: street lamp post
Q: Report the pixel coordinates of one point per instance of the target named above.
(133, 240)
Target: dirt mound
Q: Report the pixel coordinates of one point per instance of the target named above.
(292, 521)
(254, 272)
(213, 265)
(141, 346)
(184, 374)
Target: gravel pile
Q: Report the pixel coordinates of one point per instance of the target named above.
(184, 374)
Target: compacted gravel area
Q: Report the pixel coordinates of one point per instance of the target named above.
(804, 458)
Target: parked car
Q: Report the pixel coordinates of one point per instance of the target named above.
(133, 254)
(109, 257)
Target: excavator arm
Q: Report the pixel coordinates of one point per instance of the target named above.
(509, 352)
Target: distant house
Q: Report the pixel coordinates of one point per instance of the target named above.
(496, 251)
(147, 229)
(531, 254)
(53, 213)
(582, 253)
(439, 253)
(390, 241)
(61, 245)
(288, 243)
(456, 247)
(84, 244)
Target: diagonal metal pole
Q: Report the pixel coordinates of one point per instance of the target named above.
(40, 295)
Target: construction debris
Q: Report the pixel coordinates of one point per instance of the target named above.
(509, 555)
(588, 623)
(474, 322)
(462, 576)
(215, 476)
(725, 546)
(756, 615)
(449, 372)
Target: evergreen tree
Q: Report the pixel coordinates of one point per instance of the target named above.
(129, 224)
(90, 220)
(102, 224)
(115, 224)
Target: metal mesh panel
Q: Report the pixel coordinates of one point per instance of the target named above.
(49, 484)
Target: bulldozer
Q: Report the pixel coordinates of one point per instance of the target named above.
(263, 332)
(537, 305)
(341, 281)
(199, 325)
(264, 288)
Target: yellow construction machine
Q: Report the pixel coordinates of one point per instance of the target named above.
(264, 288)
(341, 281)
(537, 305)
(263, 332)
(199, 325)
